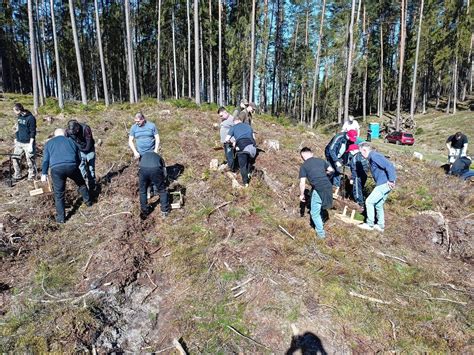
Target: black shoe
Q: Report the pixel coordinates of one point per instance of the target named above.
(89, 203)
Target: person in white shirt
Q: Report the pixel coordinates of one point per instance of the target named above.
(351, 123)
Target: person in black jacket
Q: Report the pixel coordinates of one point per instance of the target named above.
(81, 134)
(316, 171)
(153, 172)
(61, 155)
(24, 142)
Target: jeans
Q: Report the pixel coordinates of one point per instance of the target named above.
(21, 148)
(155, 177)
(358, 190)
(59, 175)
(316, 214)
(467, 175)
(229, 155)
(336, 176)
(244, 165)
(375, 202)
(87, 168)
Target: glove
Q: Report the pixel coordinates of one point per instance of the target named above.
(29, 148)
(44, 178)
(351, 182)
(452, 151)
(338, 164)
(136, 155)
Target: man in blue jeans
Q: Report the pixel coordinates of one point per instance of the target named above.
(62, 156)
(316, 170)
(384, 175)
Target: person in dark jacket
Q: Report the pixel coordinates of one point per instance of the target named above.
(359, 167)
(316, 171)
(246, 114)
(62, 156)
(153, 172)
(81, 134)
(457, 146)
(334, 153)
(227, 121)
(460, 168)
(245, 147)
(384, 175)
(24, 142)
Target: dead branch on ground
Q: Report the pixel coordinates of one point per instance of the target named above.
(286, 232)
(246, 337)
(393, 257)
(368, 298)
(215, 209)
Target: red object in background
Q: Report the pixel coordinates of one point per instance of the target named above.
(399, 137)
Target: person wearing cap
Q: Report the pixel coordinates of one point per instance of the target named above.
(246, 114)
(350, 124)
(245, 146)
(227, 121)
(316, 171)
(81, 135)
(334, 153)
(359, 167)
(62, 157)
(460, 168)
(152, 171)
(457, 146)
(384, 175)
(146, 136)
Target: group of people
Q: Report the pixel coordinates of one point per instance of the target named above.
(71, 154)
(347, 149)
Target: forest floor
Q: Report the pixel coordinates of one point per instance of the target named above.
(219, 275)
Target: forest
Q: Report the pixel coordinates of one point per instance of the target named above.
(313, 61)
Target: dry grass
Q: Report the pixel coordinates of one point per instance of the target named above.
(156, 280)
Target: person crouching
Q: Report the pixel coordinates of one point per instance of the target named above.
(152, 171)
(63, 157)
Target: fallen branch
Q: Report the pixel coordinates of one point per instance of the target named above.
(242, 284)
(87, 264)
(239, 293)
(394, 333)
(149, 278)
(371, 299)
(116, 214)
(286, 232)
(149, 294)
(446, 300)
(393, 257)
(246, 337)
(215, 209)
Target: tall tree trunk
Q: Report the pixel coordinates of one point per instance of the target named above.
(315, 96)
(158, 55)
(349, 62)
(175, 74)
(471, 59)
(413, 87)
(402, 59)
(78, 54)
(39, 73)
(221, 88)
(129, 52)
(56, 56)
(380, 99)
(39, 54)
(189, 49)
(455, 85)
(101, 54)
(196, 52)
(211, 69)
(366, 36)
(252, 52)
(201, 48)
(34, 75)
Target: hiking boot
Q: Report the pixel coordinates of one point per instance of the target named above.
(164, 214)
(378, 228)
(89, 203)
(365, 226)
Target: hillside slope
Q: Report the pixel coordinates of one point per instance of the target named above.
(108, 281)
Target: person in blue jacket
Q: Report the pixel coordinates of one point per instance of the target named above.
(62, 156)
(384, 175)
